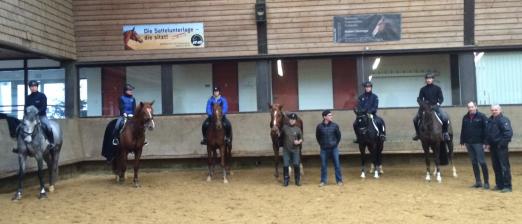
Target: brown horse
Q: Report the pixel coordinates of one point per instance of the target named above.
(132, 140)
(131, 35)
(216, 140)
(278, 118)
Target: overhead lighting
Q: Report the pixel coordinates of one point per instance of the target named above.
(376, 63)
(370, 77)
(279, 68)
(478, 56)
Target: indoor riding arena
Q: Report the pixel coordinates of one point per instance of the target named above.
(166, 68)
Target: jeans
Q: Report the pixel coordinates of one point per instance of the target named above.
(476, 155)
(325, 154)
(117, 127)
(500, 160)
(291, 155)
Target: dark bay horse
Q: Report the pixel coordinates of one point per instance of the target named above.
(430, 135)
(132, 140)
(215, 141)
(278, 118)
(32, 141)
(369, 138)
(131, 35)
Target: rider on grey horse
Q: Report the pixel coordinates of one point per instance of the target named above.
(39, 100)
(432, 94)
(127, 107)
(369, 103)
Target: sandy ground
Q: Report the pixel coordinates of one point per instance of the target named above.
(255, 196)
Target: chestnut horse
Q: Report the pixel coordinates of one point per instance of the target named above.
(216, 140)
(277, 119)
(131, 35)
(132, 140)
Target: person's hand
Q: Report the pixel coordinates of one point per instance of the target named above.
(130, 115)
(125, 114)
(486, 147)
(297, 142)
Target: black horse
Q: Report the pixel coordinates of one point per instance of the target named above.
(430, 134)
(369, 138)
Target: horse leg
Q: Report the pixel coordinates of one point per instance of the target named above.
(362, 150)
(209, 163)
(427, 159)
(222, 154)
(450, 158)
(123, 165)
(55, 159)
(373, 151)
(379, 156)
(228, 158)
(39, 162)
(21, 174)
(275, 146)
(436, 152)
(137, 156)
(48, 157)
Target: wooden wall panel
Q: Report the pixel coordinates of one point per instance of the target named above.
(344, 79)
(307, 26)
(230, 27)
(498, 22)
(225, 75)
(46, 27)
(113, 80)
(285, 88)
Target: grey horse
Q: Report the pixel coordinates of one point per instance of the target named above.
(31, 141)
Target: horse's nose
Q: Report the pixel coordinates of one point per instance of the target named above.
(28, 139)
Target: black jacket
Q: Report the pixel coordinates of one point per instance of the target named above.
(431, 93)
(473, 129)
(328, 135)
(368, 102)
(39, 100)
(499, 131)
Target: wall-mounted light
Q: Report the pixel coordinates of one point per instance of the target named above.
(279, 68)
(376, 63)
(260, 12)
(478, 56)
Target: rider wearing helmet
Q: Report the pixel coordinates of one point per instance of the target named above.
(369, 102)
(216, 98)
(127, 106)
(432, 94)
(39, 100)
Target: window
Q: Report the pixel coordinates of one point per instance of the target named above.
(498, 77)
(192, 86)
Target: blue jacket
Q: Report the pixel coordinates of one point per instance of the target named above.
(499, 131)
(368, 102)
(127, 104)
(39, 100)
(328, 135)
(220, 100)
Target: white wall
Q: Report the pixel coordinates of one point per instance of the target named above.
(192, 86)
(315, 84)
(147, 81)
(499, 77)
(398, 79)
(247, 86)
(94, 98)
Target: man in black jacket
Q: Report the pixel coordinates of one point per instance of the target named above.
(473, 135)
(328, 136)
(369, 103)
(432, 94)
(498, 136)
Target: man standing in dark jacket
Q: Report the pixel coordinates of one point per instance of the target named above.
(473, 135)
(369, 103)
(498, 136)
(328, 136)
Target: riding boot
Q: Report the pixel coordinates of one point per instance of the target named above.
(383, 133)
(416, 137)
(286, 176)
(228, 134)
(297, 174)
(476, 172)
(445, 133)
(486, 175)
(356, 140)
(204, 132)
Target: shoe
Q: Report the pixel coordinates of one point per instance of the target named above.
(486, 186)
(340, 183)
(322, 184)
(383, 137)
(476, 185)
(204, 141)
(506, 190)
(145, 142)
(496, 188)
(446, 136)
(415, 138)
(115, 141)
(286, 181)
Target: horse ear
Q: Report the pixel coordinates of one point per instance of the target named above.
(133, 28)
(269, 105)
(281, 106)
(152, 102)
(141, 104)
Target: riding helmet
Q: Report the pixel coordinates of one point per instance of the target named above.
(367, 83)
(429, 75)
(128, 87)
(33, 83)
(293, 116)
(216, 88)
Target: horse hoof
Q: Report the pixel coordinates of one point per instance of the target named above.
(225, 181)
(209, 179)
(381, 171)
(137, 185)
(376, 175)
(363, 175)
(17, 196)
(51, 188)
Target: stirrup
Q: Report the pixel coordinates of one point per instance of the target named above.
(415, 138)
(203, 142)
(446, 136)
(115, 141)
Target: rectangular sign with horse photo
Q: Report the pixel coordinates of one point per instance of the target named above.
(163, 36)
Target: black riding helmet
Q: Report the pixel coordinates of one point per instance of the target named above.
(33, 83)
(292, 116)
(429, 75)
(216, 88)
(128, 87)
(367, 83)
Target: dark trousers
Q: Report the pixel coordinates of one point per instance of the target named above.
(478, 161)
(118, 126)
(47, 128)
(500, 160)
(226, 125)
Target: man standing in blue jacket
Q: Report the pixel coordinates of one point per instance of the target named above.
(328, 136)
(499, 133)
(217, 98)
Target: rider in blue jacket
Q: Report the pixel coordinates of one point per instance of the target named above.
(216, 98)
(127, 107)
(369, 103)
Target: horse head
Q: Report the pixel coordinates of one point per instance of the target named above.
(276, 118)
(134, 36)
(146, 112)
(217, 115)
(362, 120)
(30, 123)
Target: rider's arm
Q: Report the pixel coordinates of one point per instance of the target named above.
(209, 107)
(43, 105)
(375, 105)
(338, 134)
